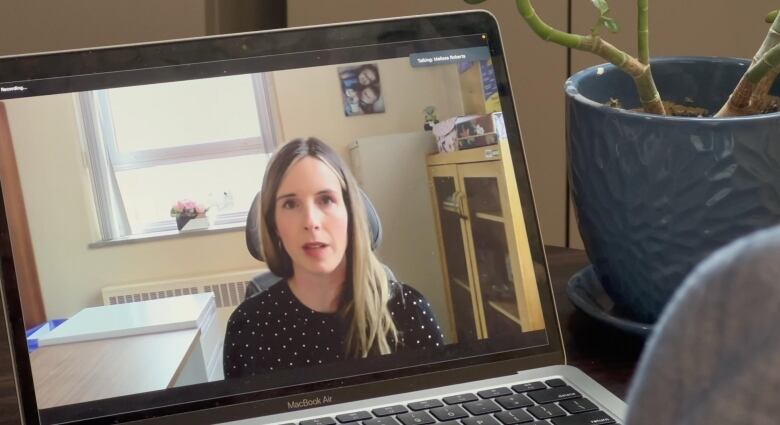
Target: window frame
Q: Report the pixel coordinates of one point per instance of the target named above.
(105, 159)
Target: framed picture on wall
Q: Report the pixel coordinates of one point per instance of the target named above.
(361, 90)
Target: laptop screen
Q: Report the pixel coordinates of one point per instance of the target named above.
(213, 222)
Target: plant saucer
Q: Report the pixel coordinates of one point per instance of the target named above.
(585, 292)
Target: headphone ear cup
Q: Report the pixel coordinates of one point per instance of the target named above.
(254, 242)
(374, 223)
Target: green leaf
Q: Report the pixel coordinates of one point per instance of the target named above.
(601, 5)
(609, 24)
(474, 1)
(771, 16)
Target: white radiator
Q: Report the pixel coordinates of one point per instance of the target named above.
(228, 288)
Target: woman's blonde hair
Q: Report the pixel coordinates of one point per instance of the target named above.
(366, 295)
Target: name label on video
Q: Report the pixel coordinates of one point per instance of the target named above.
(444, 57)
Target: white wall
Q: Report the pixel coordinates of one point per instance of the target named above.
(310, 102)
(55, 187)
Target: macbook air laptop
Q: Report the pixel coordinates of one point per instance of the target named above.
(128, 174)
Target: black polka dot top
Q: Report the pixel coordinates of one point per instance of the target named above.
(274, 330)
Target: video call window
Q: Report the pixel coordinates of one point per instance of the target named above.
(156, 185)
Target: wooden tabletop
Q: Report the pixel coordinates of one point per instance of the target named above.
(608, 355)
(9, 407)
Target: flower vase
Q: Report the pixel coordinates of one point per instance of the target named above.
(182, 221)
(186, 223)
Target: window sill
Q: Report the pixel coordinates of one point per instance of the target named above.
(171, 234)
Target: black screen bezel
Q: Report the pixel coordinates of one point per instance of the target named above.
(115, 66)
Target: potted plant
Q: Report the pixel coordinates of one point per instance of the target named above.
(668, 159)
(190, 215)
(430, 118)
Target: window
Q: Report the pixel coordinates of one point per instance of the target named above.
(149, 146)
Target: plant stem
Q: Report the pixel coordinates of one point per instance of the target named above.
(545, 31)
(643, 77)
(771, 39)
(640, 72)
(739, 101)
(769, 61)
(760, 99)
(643, 32)
(749, 95)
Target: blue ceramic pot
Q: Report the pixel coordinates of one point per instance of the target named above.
(654, 195)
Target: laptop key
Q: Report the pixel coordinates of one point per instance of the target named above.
(416, 418)
(529, 386)
(389, 410)
(447, 413)
(578, 405)
(480, 407)
(546, 411)
(514, 401)
(512, 417)
(554, 394)
(353, 417)
(388, 420)
(556, 382)
(494, 392)
(319, 421)
(590, 418)
(460, 398)
(480, 420)
(425, 404)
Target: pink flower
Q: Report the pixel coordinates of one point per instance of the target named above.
(188, 208)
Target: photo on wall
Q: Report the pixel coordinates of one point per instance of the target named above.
(361, 89)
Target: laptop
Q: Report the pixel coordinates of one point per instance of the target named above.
(129, 181)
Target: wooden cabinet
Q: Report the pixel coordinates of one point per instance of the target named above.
(489, 276)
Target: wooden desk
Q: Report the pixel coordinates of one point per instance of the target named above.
(190, 311)
(606, 354)
(93, 370)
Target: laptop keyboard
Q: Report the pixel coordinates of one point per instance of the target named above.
(551, 402)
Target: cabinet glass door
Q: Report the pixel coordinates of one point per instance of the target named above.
(447, 197)
(493, 271)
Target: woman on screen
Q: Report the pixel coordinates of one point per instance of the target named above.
(335, 301)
